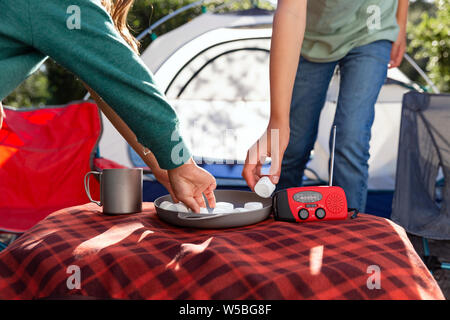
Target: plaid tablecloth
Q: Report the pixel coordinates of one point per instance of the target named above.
(80, 252)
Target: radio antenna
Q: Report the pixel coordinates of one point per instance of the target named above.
(333, 146)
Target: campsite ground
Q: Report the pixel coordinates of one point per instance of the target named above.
(440, 249)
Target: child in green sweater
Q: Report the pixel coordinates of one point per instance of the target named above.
(98, 48)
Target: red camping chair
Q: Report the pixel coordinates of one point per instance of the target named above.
(44, 155)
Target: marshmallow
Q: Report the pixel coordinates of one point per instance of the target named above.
(253, 205)
(165, 205)
(179, 207)
(220, 210)
(204, 210)
(240, 210)
(225, 205)
(264, 188)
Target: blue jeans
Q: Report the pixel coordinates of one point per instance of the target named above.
(362, 73)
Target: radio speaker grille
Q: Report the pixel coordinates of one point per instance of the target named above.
(335, 203)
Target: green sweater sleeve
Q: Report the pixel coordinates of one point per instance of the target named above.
(98, 55)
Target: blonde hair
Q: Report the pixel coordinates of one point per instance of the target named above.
(119, 9)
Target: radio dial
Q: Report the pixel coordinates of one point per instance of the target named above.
(303, 214)
(320, 213)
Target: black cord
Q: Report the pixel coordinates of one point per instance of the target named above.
(355, 213)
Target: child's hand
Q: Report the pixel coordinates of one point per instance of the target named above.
(189, 182)
(273, 143)
(398, 50)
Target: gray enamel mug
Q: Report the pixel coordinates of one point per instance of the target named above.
(120, 190)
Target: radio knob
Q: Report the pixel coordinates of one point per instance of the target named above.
(303, 214)
(320, 213)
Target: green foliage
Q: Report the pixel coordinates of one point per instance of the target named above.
(430, 41)
(52, 85)
(416, 8)
(32, 92)
(63, 86)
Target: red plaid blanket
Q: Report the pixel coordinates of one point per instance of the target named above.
(80, 252)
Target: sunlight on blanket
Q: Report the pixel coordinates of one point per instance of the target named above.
(36, 239)
(108, 238)
(185, 249)
(315, 260)
(144, 234)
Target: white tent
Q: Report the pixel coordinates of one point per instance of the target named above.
(215, 72)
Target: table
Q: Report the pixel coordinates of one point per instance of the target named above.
(79, 252)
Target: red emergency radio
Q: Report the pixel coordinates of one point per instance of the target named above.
(317, 203)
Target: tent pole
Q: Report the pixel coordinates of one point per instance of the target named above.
(255, 4)
(421, 72)
(168, 17)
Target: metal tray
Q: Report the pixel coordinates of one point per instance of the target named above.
(218, 221)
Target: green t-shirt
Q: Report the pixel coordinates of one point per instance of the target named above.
(92, 49)
(334, 27)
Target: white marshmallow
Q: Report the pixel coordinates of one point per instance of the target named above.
(264, 188)
(165, 205)
(225, 205)
(220, 210)
(240, 210)
(179, 207)
(204, 210)
(253, 205)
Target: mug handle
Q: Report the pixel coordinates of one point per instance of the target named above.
(86, 186)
